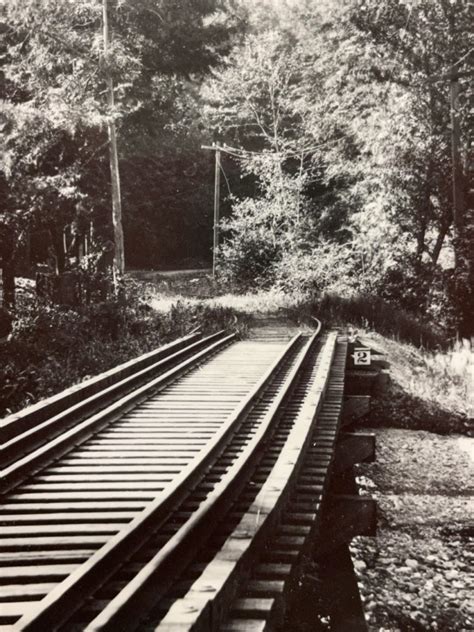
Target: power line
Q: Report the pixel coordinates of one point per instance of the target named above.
(238, 152)
(225, 177)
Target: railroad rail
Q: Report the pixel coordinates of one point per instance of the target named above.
(181, 491)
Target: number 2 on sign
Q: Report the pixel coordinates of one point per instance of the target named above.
(361, 356)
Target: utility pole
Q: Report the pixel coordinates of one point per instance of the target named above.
(118, 262)
(217, 195)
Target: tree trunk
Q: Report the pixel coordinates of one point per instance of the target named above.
(462, 247)
(8, 277)
(118, 262)
(58, 246)
(462, 216)
(443, 231)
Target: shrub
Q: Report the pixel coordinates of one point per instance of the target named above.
(247, 257)
(326, 267)
(53, 347)
(372, 312)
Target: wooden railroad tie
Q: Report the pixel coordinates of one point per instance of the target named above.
(218, 476)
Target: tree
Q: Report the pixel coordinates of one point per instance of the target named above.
(370, 105)
(53, 83)
(432, 51)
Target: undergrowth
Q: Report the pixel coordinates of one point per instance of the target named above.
(372, 312)
(53, 347)
(429, 390)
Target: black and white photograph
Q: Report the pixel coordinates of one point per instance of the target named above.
(236, 316)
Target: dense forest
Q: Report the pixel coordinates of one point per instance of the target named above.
(343, 127)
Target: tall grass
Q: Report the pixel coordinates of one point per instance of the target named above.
(261, 302)
(372, 312)
(53, 347)
(448, 377)
(430, 390)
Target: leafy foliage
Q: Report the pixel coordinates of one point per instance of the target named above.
(51, 348)
(54, 113)
(352, 101)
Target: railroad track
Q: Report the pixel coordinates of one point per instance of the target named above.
(178, 495)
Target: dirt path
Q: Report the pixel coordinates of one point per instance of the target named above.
(417, 575)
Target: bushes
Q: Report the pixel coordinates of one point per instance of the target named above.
(262, 231)
(53, 347)
(248, 256)
(325, 267)
(344, 284)
(372, 312)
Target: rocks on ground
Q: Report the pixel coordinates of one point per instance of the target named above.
(417, 574)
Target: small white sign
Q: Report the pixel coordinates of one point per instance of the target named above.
(361, 356)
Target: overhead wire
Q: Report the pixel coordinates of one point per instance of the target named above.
(237, 152)
(225, 177)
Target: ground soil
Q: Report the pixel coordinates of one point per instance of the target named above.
(417, 574)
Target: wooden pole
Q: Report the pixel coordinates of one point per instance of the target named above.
(217, 197)
(118, 261)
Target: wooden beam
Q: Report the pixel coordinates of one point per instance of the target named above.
(360, 382)
(344, 518)
(353, 448)
(365, 382)
(342, 593)
(355, 407)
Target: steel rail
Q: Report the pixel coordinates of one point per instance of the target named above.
(203, 607)
(260, 604)
(61, 602)
(24, 443)
(17, 423)
(158, 574)
(14, 473)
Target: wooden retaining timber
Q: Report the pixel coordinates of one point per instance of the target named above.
(197, 499)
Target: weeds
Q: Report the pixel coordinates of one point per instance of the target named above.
(52, 348)
(448, 377)
(372, 312)
(430, 390)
